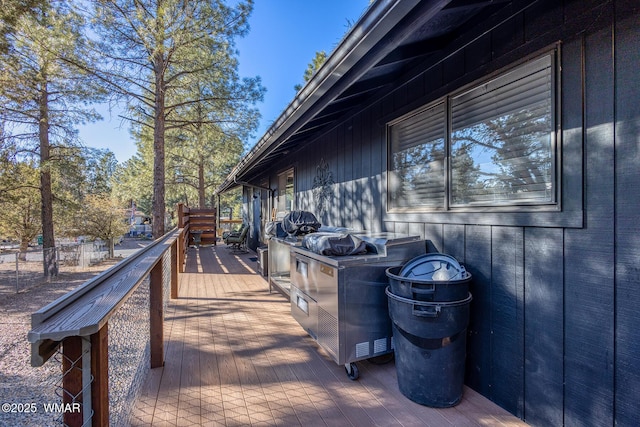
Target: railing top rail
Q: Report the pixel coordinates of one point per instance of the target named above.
(203, 211)
(86, 309)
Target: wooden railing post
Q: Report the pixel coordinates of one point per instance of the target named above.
(156, 320)
(215, 227)
(181, 251)
(72, 380)
(174, 269)
(100, 372)
(180, 215)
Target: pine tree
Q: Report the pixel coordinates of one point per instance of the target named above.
(156, 51)
(44, 96)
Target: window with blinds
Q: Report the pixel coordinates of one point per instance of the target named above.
(499, 147)
(417, 172)
(286, 194)
(502, 139)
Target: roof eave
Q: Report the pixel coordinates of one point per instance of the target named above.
(371, 28)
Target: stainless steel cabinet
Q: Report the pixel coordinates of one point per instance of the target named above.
(340, 301)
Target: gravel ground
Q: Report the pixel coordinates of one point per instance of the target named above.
(22, 385)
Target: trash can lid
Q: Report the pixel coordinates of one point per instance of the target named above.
(435, 267)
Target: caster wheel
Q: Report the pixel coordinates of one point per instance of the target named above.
(381, 360)
(352, 371)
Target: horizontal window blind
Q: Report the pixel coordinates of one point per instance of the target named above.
(417, 159)
(500, 149)
(419, 129)
(520, 89)
(501, 139)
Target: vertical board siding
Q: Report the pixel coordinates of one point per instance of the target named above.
(478, 53)
(627, 231)
(356, 174)
(357, 192)
(401, 227)
(379, 160)
(477, 250)
(543, 326)
(543, 17)
(365, 183)
(349, 195)
(453, 241)
(399, 98)
(507, 318)
(555, 312)
(433, 78)
(342, 174)
(334, 165)
(508, 36)
(330, 145)
(453, 67)
(572, 87)
(415, 91)
(589, 267)
(433, 234)
(416, 229)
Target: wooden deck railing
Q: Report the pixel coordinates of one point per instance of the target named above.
(229, 224)
(199, 225)
(77, 325)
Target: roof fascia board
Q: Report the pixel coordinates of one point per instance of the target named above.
(371, 28)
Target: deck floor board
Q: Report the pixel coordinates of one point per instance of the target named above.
(234, 356)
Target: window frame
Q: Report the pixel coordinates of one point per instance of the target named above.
(442, 102)
(447, 206)
(283, 185)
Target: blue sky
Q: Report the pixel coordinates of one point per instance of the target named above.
(283, 39)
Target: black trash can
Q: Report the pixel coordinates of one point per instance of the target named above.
(430, 348)
(430, 277)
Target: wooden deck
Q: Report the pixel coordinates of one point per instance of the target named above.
(235, 357)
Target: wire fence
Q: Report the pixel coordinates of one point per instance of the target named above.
(22, 270)
(129, 353)
(32, 403)
(128, 367)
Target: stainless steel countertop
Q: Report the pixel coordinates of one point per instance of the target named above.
(384, 242)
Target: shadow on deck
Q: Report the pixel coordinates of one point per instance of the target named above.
(234, 356)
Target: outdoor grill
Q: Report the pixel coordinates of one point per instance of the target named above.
(279, 258)
(340, 300)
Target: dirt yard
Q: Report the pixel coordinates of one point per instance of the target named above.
(20, 383)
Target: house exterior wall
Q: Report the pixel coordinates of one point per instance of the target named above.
(553, 334)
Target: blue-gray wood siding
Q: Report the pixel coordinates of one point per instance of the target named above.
(553, 333)
(626, 242)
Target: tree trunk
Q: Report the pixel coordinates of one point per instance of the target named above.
(158, 150)
(201, 198)
(24, 247)
(111, 247)
(46, 194)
